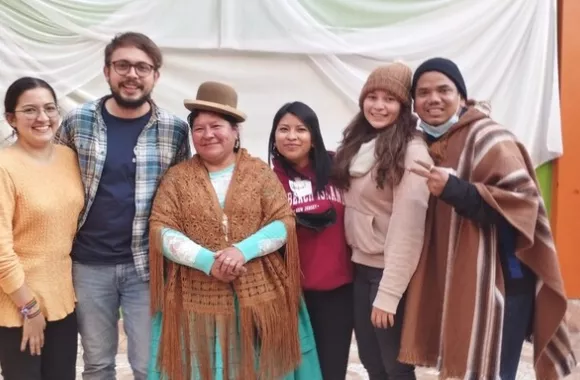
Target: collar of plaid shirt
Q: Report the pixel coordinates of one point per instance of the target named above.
(163, 143)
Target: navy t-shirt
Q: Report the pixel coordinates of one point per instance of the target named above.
(105, 237)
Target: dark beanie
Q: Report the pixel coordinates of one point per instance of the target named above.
(445, 67)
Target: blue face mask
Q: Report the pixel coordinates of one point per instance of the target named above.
(442, 129)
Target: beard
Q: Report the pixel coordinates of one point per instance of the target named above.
(129, 104)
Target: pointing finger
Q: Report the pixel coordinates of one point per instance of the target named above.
(424, 164)
(420, 172)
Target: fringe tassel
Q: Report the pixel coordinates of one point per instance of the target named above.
(279, 351)
(247, 369)
(417, 359)
(203, 346)
(279, 348)
(156, 268)
(187, 345)
(293, 265)
(171, 354)
(226, 330)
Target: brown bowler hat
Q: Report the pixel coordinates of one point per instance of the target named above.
(216, 97)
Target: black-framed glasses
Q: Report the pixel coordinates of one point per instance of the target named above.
(142, 69)
(32, 113)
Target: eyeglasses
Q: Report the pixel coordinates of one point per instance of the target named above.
(142, 69)
(32, 113)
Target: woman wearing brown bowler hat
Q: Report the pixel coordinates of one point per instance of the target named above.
(225, 274)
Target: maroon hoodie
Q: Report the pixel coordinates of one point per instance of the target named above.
(324, 255)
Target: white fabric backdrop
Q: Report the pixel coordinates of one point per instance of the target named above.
(273, 51)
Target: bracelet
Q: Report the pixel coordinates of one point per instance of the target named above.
(27, 309)
(30, 304)
(33, 315)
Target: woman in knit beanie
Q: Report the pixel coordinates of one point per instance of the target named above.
(385, 214)
(488, 277)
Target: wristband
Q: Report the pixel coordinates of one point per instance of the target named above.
(26, 310)
(33, 315)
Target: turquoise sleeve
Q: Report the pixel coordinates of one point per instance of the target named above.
(182, 250)
(268, 239)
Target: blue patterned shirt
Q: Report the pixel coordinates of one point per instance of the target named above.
(163, 143)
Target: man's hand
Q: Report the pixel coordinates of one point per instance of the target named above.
(436, 177)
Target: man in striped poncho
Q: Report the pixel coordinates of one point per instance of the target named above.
(489, 276)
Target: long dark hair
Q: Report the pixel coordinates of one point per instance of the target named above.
(390, 148)
(320, 159)
(19, 87)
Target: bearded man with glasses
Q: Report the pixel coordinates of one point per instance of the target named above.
(125, 143)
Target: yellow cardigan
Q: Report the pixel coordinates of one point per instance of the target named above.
(39, 209)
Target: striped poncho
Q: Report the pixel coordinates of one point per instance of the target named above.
(455, 301)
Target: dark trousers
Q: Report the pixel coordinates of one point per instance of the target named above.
(58, 358)
(518, 315)
(332, 319)
(378, 348)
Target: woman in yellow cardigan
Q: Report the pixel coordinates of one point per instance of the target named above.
(41, 197)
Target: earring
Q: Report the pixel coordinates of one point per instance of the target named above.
(237, 144)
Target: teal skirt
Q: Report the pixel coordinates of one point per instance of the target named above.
(309, 368)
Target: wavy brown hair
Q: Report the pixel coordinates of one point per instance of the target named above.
(390, 148)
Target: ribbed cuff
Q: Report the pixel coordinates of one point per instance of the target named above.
(204, 260)
(387, 302)
(248, 249)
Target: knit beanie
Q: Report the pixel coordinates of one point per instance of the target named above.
(445, 67)
(394, 78)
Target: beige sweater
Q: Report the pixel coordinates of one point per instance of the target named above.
(385, 228)
(39, 210)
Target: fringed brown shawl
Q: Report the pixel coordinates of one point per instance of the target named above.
(196, 306)
(455, 301)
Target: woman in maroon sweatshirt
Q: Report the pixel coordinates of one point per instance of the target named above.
(302, 163)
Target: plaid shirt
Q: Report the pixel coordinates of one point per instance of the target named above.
(163, 143)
